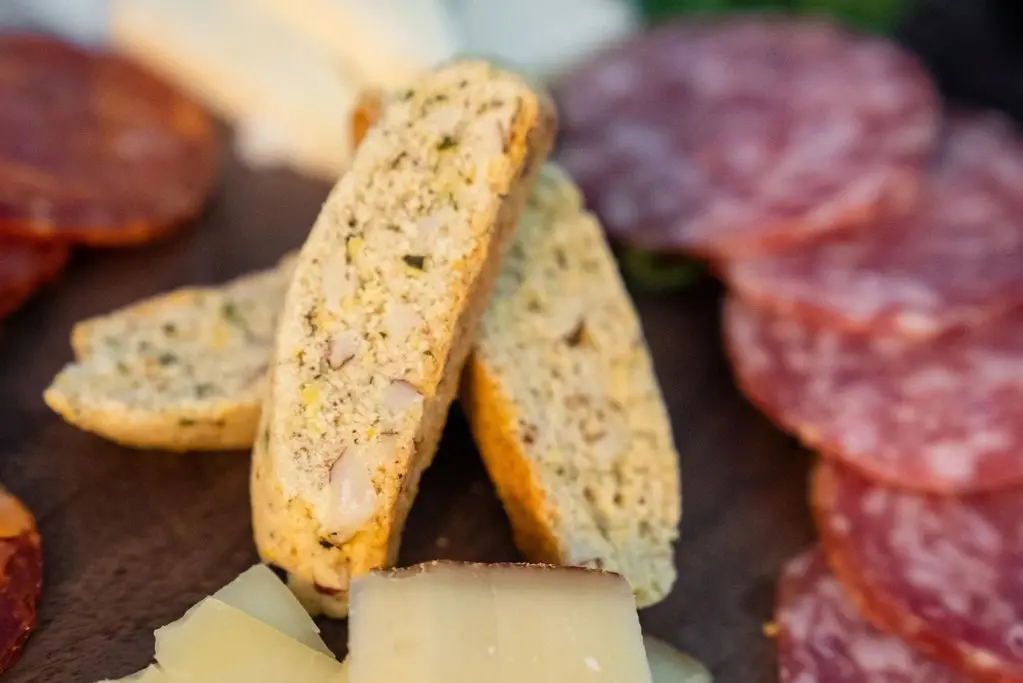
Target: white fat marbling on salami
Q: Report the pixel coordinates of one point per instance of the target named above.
(942, 416)
(942, 572)
(764, 131)
(953, 261)
(822, 638)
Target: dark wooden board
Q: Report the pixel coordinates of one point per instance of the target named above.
(132, 539)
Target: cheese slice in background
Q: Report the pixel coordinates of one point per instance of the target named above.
(542, 37)
(287, 99)
(216, 642)
(386, 42)
(260, 594)
(465, 623)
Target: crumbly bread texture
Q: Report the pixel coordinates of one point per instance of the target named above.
(564, 405)
(179, 372)
(380, 316)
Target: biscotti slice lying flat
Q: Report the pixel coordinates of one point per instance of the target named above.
(182, 371)
(380, 316)
(564, 405)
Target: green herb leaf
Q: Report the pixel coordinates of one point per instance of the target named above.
(869, 15)
(655, 273)
(879, 16)
(659, 10)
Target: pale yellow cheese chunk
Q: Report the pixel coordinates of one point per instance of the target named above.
(459, 623)
(260, 594)
(216, 642)
(668, 665)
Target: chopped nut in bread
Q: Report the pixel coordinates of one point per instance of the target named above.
(564, 405)
(183, 371)
(379, 319)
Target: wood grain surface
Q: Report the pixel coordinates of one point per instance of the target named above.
(132, 539)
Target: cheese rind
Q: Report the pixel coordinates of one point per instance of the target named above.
(532, 623)
(216, 642)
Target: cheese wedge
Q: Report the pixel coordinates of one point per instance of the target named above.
(256, 610)
(285, 95)
(457, 623)
(260, 594)
(379, 319)
(386, 44)
(216, 642)
(668, 665)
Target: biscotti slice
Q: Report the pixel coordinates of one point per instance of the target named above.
(380, 316)
(183, 371)
(564, 405)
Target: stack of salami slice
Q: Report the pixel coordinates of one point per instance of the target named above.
(93, 151)
(873, 245)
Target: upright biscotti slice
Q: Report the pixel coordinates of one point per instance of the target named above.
(380, 316)
(564, 405)
(181, 371)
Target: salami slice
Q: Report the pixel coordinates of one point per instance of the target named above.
(942, 572)
(95, 150)
(739, 136)
(21, 576)
(823, 639)
(954, 261)
(945, 416)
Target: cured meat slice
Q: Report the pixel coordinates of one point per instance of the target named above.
(954, 261)
(733, 137)
(95, 150)
(21, 576)
(942, 572)
(24, 267)
(823, 639)
(945, 416)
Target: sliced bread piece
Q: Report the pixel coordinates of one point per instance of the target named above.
(564, 405)
(380, 316)
(183, 371)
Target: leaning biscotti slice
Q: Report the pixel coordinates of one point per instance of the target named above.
(183, 371)
(380, 316)
(564, 405)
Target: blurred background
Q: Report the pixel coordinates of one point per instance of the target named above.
(283, 73)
